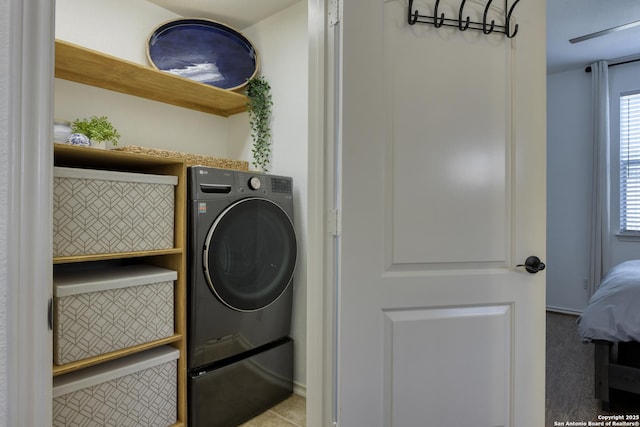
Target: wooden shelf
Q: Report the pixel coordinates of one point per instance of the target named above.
(85, 363)
(82, 65)
(104, 257)
(86, 157)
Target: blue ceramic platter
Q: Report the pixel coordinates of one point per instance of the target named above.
(205, 51)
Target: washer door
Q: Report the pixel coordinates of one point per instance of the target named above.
(250, 254)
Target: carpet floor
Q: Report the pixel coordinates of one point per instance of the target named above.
(569, 377)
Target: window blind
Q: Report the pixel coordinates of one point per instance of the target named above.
(630, 162)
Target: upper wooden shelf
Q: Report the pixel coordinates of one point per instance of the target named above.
(82, 65)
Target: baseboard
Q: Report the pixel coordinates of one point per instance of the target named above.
(300, 389)
(563, 310)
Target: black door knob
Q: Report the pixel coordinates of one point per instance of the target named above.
(532, 264)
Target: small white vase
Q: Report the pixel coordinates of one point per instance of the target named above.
(61, 131)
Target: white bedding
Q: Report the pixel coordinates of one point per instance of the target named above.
(613, 313)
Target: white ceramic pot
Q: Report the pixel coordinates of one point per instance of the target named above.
(98, 144)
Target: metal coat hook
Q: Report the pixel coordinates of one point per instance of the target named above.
(412, 18)
(508, 20)
(437, 21)
(467, 22)
(487, 26)
(484, 19)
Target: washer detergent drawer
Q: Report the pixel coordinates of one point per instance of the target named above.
(231, 394)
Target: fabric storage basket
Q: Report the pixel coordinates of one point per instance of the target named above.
(99, 212)
(136, 391)
(99, 311)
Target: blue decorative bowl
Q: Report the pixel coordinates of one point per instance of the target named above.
(205, 51)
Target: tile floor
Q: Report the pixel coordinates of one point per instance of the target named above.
(289, 413)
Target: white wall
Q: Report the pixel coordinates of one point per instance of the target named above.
(569, 157)
(282, 43)
(569, 163)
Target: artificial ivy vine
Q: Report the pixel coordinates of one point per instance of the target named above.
(259, 107)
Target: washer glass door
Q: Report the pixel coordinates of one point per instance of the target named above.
(250, 254)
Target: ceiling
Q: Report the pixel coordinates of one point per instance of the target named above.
(238, 14)
(566, 19)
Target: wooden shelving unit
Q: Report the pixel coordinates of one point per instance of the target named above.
(174, 259)
(82, 65)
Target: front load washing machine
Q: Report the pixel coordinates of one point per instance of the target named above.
(242, 254)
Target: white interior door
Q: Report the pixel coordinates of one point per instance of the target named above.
(442, 195)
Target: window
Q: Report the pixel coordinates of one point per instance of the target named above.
(630, 162)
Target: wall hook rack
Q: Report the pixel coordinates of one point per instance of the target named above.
(464, 23)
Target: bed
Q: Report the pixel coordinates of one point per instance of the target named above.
(611, 321)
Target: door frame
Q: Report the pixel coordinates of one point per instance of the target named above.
(320, 261)
(29, 101)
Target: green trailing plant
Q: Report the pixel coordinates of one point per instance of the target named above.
(97, 129)
(259, 107)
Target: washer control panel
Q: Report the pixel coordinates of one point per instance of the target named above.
(212, 183)
(251, 183)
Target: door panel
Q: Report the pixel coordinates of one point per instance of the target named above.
(416, 337)
(446, 133)
(442, 180)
